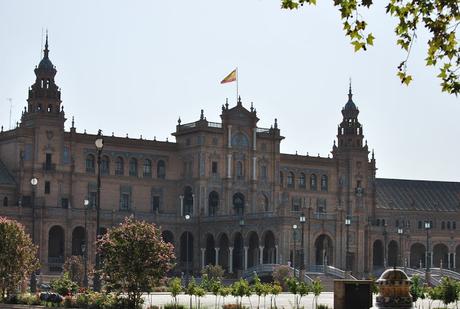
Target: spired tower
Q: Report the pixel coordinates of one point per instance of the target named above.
(44, 101)
(356, 190)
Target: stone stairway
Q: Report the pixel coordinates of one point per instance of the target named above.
(326, 280)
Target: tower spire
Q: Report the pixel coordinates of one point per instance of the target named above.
(46, 50)
(350, 93)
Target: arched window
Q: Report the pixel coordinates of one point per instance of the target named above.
(5, 201)
(213, 203)
(302, 180)
(119, 166)
(281, 179)
(90, 163)
(239, 169)
(39, 108)
(263, 202)
(238, 203)
(263, 172)
(188, 201)
(313, 185)
(147, 168)
(50, 108)
(290, 180)
(105, 164)
(324, 183)
(133, 167)
(161, 169)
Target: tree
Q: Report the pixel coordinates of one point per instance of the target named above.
(18, 256)
(275, 291)
(135, 258)
(175, 287)
(64, 285)
(213, 272)
(74, 266)
(440, 18)
(317, 288)
(280, 273)
(449, 290)
(240, 289)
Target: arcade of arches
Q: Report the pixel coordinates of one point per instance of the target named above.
(416, 255)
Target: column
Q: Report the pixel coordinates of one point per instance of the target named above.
(261, 255)
(448, 260)
(230, 260)
(193, 205)
(181, 197)
(254, 136)
(229, 136)
(202, 257)
(431, 259)
(245, 258)
(254, 168)
(229, 166)
(455, 258)
(217, 255)
(276, 255)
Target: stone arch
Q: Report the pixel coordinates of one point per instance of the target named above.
(253, 249)
(377, 254)
(167, 236)
(269, 253)
(238, 251)
(324, 250)
(186, 255)
(440, 252)
(393, 253)
(224, 251)
(417, 255)
(78, 240)
(56, 244)
(210, 252)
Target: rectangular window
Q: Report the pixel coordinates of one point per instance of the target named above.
(65, 203)
(295, 204)
(26, 201)
(125, 197)
(48, 160)
(155, 203)
(47, 187)
(124, 201)
(92, 200)
(214, 167)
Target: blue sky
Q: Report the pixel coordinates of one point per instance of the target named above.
(135, 67)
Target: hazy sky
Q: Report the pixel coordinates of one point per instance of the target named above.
(136, 66)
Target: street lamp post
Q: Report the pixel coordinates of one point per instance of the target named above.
(187, 217)
(85, 252)
(347, 253)
(400, 233)
(294, 228)
(99, 146)
(302, 255)
(33, 276)
(427, 252)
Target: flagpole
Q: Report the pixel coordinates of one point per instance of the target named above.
(237, 94)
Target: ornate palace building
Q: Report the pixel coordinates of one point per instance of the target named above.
(242, 194)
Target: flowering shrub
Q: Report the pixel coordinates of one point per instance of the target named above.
(135, 258)
(18, 256)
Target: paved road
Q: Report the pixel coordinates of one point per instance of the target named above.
(284, 300)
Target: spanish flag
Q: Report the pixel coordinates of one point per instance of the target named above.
(230, 77)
